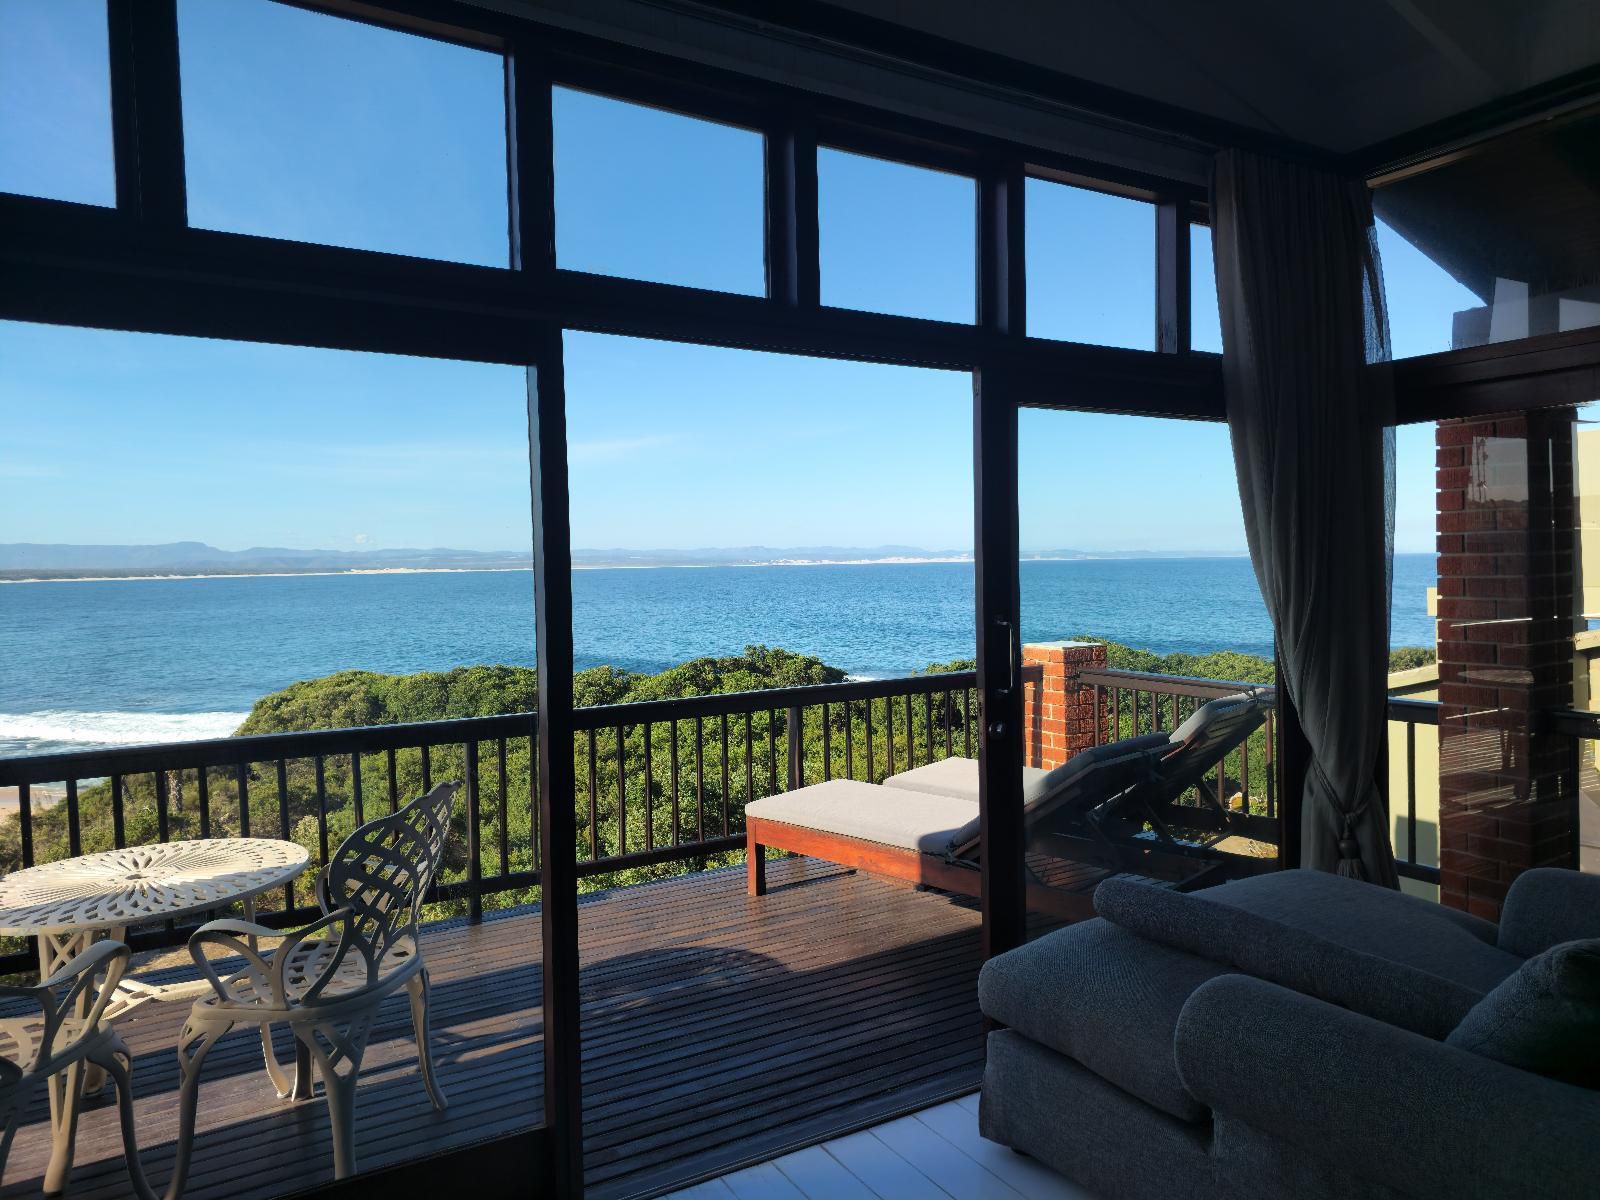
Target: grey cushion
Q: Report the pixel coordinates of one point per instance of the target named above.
(1545, 1018)
(1106, 998)
(958, 777)
(888, 816)
(1547, 906)
(1391, 956)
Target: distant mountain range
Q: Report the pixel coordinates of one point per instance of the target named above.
(33, 560)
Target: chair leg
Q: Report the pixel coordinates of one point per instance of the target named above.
(418, 990)
(66, 1101)
(755, 866)
(337, 1048)
(194, 1043)
(122, 1075)
(281, 1083)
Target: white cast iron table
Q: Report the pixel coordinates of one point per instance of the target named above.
(72, 903)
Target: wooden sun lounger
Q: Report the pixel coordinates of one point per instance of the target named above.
(922, 828)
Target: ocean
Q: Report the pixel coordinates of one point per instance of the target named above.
(98, 663)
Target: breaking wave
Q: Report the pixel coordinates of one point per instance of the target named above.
(55, 732)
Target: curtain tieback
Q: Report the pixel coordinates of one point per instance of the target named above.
(1350, 864)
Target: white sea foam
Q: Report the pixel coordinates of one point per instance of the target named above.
(60, 730)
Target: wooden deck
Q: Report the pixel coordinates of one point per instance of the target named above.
(720, 1030)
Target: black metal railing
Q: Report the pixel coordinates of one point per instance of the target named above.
(660, 782)
(1127, 703)
(1408, 856)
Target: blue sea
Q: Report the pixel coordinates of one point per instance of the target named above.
(115, 662)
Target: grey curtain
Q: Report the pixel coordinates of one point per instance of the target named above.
(1300, 291)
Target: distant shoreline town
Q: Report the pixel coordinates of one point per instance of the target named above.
(40, 563)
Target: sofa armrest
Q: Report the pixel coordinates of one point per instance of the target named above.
(1547, 906)
(1389, 1105)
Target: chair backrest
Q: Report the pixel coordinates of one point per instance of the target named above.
(1212, 731)
(382, 871)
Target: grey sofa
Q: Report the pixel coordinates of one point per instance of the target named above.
(1284, 1036)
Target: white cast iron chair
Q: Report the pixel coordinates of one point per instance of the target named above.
(55, 1047)
(327, 980)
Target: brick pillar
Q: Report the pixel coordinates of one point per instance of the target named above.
(1506, 541)
(1058, 714)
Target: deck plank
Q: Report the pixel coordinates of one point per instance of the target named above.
(720, 1030)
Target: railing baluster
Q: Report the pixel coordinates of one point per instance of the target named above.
(119, 833)
(622, 791)
(163, 808)
(25, 821)
(283, 826)
(868, 775)
(672, 772)
(888, 736)
(427, 769)
(1272, 780)
(1411, 792)
(505, 806)
(968, 699)
(699, 779)
(203, 787)
(911, 737)
(772, 752)
(242, 779)
(474, 857)
(849, 741)
(357, 802)
(749, 758)
(827, 744)
(74, 831)
(394, 783)
(649, 788)
(927, 725)
(796, 743)
(594, 801)
(726, 799)
(322, 808)
(948, 708)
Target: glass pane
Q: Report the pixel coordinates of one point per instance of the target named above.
(655, 195)
(1205, 322)
(896, 238)
(1496, 245)
(1135, 615)
(229, 531)
(318, 129)
(1091, 267)
(764, 579)
(55, 101)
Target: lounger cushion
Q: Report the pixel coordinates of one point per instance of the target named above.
(959, 777)
(1106, 998)
(889, 816)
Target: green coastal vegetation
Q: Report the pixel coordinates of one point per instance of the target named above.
(650, 815)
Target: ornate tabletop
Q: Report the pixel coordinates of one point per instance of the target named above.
(115, 889)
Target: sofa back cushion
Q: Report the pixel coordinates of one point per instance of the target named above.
(1547, 906)
(1377, 952)
(1544, 1018)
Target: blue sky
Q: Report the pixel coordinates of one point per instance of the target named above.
(303, 126)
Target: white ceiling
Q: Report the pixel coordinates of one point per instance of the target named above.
(1336, 74)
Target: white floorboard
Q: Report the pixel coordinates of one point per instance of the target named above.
(936, 1154)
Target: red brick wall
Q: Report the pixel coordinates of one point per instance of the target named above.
(1506, 521)
(1057, 711)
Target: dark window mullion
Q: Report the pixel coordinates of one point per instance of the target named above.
(147, 111)
(1172, 277)
(793, 273)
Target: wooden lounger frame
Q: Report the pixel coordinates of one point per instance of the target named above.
(911, 866)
